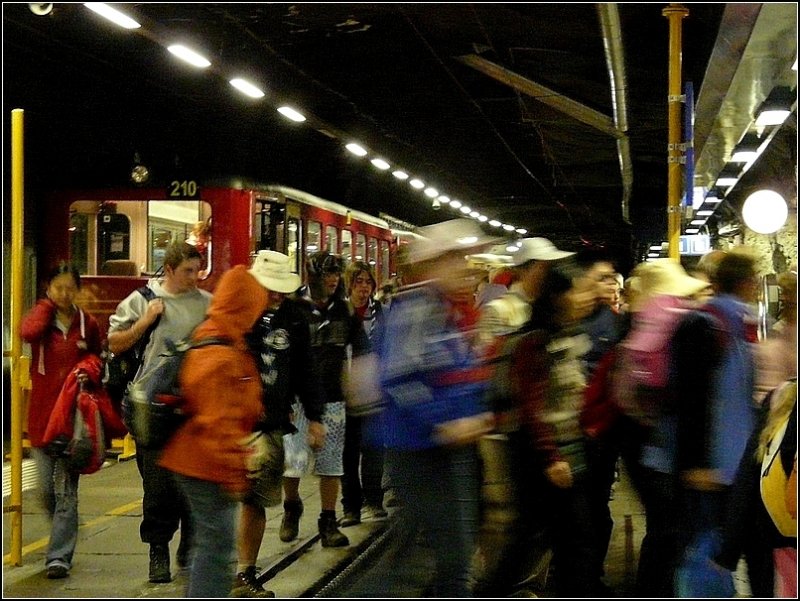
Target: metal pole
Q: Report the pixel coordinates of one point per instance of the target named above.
(675, 13)
(17, 220)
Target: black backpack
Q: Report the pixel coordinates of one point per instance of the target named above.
(119, 369)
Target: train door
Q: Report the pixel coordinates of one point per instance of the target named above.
(278, 227)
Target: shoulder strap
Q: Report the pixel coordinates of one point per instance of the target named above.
(149, 294)
(212, 340)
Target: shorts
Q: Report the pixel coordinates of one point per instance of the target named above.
(328, 460)
(266, 489)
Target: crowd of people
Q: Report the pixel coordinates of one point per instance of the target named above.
(578, 371)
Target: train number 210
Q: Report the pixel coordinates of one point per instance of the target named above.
(183, 189)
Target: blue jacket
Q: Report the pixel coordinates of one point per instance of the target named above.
(429, 373)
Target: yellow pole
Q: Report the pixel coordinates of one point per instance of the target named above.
(675, 13)
(17, 378)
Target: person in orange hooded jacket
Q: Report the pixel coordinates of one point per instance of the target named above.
(221, 387)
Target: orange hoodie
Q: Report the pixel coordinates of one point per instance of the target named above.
(221, 386)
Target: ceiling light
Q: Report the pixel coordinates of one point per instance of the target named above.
(705, 213)
(245, 87)
(444, 199)
(465, 209)
(728, 176)
(190, 56)
(697, 221)
(402, 175)
(380, 164)
(521, 231)
(431, 192)
(508, 228)
(356, 149)
(112, 14)
(692, 230)
(655, 247)
(495, 223)
(455, 203)
(713, 199)
(292, 114)
(474, 214)
(512, 249)
(747, 149)
(654, 255)
(416, 183)
(482, 218)
(765, 211)
(776, 107)
(436, 205)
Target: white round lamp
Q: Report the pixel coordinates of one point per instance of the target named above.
(765, 211)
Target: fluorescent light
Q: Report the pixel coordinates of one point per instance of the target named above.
(418, 184)
(713, 200)
(705, 213)
(245, 87)
(474, 214)
(495, 223)
(746, 150)
(692, 230)
(508, 228)
(655, 247)
(465, 209)
(727, 182)
(776, 107)
(444, 199)
(431, 192)
(653, 255)
(292, 114)
(112, 14)
(356, 149)
(697, 221)
(455, 203)
(483, 218)
(522, 231)
(401, 175)
(380, 164)
(190, 56)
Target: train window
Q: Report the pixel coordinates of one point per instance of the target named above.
(269, 225)
(361, 247)
(332, 239)
(313, 236)
(130, 237)
(293, 237)
(347, 247)
(383, 271)
(373, 252)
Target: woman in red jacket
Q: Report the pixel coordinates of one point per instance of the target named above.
(60, 335)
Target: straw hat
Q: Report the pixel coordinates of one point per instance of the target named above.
(538, 249)
(273, 271)
(664, 277)
(441, 238)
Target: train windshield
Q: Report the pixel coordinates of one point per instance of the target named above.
(130, 237)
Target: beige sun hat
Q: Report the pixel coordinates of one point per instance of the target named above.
(538, 249)
(453, 235)
(273, 270)
(664, 276)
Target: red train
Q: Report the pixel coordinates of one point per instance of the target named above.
(117, 237)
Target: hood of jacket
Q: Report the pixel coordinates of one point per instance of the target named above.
(238, 301)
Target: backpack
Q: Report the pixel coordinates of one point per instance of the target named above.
(119, 369)
(152, 406)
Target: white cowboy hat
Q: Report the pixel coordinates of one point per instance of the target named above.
(273, 271)
(440, 238)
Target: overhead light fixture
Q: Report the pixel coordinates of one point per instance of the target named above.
(495, 223)
(444, 199)
(246, 88)
(436, 205)
(728, 176)
(747, 149)
(455, 203)
(416, 183)
(380, 164)
(705, 213)
(104, 10)
(465, 209)
(522, 231)
(356, 149)
(474, 214)
(140, 174)
(190, 56)
(431, 192)
(482, 218)
(776, 107)
(713, 198)
(508, 227)
(765, 211)
(401, 175)
(292, 114)
(692, 230)
(697, 221)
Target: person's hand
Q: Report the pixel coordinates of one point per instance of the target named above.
(465, 430)
(560, 474)
(316, 435)
(155, 307)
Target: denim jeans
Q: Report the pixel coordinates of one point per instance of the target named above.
(213, 516)
(59, 492)
(363, 468)
(163, 507)
(439, 491)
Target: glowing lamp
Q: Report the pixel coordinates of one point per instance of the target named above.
(765, 211)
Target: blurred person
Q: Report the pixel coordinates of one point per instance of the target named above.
(433, 385)
(761, 516)
(208, 456)
(363, 458)
(776, 356)
(179, 307)
(280, 341)
(334, 327)
(60, 334)
(714, 380)
(549, 380)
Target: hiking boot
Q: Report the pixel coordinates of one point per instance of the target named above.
(350, 518)
(55, 572)
(328, 532)
(248, 586)
(159, 564)
(290, 525)
(374, 512)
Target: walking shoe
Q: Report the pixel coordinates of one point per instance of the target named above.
(374, 512)
(350, 518)
(290, 525)
(56, 571)
(159, 563)
(328, 532)
(248, 586)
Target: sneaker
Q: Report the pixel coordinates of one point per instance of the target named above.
(350, 518)
(55, 572)
(159, 564)
(248, 586)
(374, 512)
(290, 525)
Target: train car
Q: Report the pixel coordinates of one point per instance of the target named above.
(117, 237)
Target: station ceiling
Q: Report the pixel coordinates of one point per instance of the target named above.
(509, 108)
